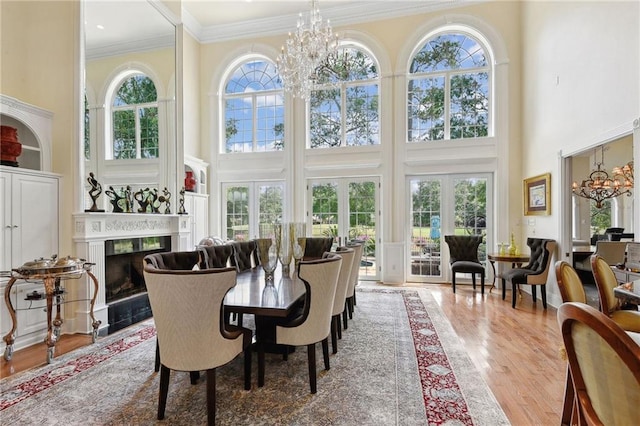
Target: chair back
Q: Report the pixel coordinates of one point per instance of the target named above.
(187, 309)
(605, 282)
(320, 278)
(218, 256)
(245, 255)
(355, 267)
(315, 247)
(175, 260)
(569, 283)
(611, 251)
(605, 366)
(463, 247)
(540, 260)
(347, 254)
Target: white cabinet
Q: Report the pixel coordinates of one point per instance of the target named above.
(29, 217)
(197, 206)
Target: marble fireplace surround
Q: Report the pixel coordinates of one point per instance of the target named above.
(91, 230)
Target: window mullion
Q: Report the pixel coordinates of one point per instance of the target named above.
(254, 123)
(138, 132)
(447, 106)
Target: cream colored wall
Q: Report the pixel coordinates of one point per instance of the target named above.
(395, 36)
(581, 85)
(191, 96)
(39, 67)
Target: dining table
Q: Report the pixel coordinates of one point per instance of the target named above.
(271, 301)
(628, 292)
(516, 261)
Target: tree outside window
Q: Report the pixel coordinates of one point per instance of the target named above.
(344, 111)
(448, 90)
(135, 119)
(254, 109)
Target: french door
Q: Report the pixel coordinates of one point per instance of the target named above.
(347, 209)
(247, 205)
(440, 205)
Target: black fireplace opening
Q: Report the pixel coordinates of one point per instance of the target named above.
(126, 292)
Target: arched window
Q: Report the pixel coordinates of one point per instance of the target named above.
(254, 109)
(345, 109)
(135, 119)
(449, 89)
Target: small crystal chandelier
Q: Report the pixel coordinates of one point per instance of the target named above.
(304, 51)
(600, 187)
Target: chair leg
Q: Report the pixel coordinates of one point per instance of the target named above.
(504, 288)
(311, 356)
(354, 297)
(543, 291)
(453, 282)
(211, 397)
(534, 294)
(569, 401)
(260, 365)
(339, 325)
(247, 368)
(513, 295)
(165, 372)
(481, 283)
(344, 315)
(473, 280)
(156, 368)
(325, 353)
(194, 376)
(350, 305)
(334, 334)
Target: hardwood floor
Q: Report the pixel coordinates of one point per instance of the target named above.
(516, 351)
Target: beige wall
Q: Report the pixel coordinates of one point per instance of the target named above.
(39, 67)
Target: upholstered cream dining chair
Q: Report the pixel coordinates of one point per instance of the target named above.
(350, 300)
(347, 254)
(313, 325)
(605, 366)
(606, 281)
(192, 336)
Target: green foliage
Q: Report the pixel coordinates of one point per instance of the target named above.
(136, 96)
(468, 108)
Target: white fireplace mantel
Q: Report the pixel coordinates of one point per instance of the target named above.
(92, 229)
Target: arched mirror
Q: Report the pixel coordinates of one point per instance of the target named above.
(130, 95)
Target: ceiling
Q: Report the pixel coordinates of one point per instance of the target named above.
(134, 21)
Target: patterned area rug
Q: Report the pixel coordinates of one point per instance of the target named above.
(399, 363)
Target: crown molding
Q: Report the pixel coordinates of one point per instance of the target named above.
(338, 16)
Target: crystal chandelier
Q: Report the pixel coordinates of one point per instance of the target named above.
(305, 50)
(600, 187)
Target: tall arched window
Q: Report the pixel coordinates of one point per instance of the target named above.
(345, 109)
(254, 109)
(449, 89)
(135, 119)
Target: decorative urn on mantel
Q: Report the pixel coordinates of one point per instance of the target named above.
(10, 148)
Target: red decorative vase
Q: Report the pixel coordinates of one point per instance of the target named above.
(10, 148)
(190, 182)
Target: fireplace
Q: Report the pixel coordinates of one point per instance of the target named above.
(116, 243)
(125, 289)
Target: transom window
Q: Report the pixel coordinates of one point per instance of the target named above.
(448, 90)
(345, 109)
(135, 119)
(254, 109)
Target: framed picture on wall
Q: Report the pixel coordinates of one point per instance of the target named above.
(537, 195)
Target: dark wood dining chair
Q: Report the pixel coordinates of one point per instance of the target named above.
(605, 366)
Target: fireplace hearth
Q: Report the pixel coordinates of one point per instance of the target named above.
(125, 289)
